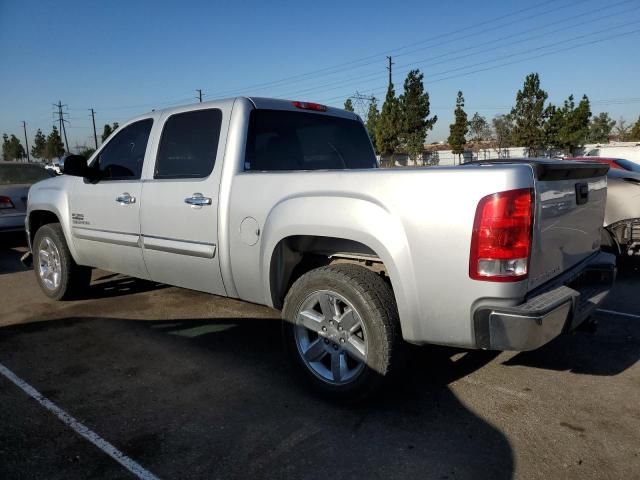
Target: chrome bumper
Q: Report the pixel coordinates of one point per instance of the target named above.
(555, 308)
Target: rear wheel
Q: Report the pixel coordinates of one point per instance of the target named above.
(58, 274)
(342, 330)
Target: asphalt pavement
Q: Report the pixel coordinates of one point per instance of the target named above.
(188, 385)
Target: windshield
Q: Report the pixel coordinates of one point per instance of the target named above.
(627, 165)
(22, 174)
(286, 140)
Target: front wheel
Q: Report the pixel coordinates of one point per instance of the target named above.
(342, 330)
(58, 274)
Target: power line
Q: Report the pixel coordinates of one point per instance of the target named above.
(399, 49)
(357, 80)
(361, 104)
(381, 88)
(376, 56)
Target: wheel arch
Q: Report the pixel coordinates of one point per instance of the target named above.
(49, 199)
(302, 233)
(39, 218)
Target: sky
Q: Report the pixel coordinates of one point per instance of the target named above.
(125, 58)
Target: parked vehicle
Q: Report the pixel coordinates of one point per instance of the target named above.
(627, 150)
(54, 167)
(622, 215)
(281, 203)
(614, 163)
(15, 180)
(621, 235)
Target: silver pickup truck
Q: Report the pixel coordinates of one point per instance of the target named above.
(281, 203)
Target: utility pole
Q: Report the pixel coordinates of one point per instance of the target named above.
(62, 121)
(391, 63)
(26, 142)
(93, 119)
(199, 97)
(361, 104)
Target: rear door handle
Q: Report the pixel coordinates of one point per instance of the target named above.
(197, 200)
(125, 199)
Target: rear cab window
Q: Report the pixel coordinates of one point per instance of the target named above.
(290, 140)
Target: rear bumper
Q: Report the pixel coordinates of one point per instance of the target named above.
(557, 307)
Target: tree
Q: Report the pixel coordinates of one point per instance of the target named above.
(86, 152)
(600, 128)
(622, 130)
(575, 130)
(502, 132)
(458, 129)
(348, 105)
(552, 126)
(39, 145)
(108, 130)
(414, 112)
(567, 127)
(529, 115)
(373, 116)
(55, 147)
(634, 134)
(388, 128)
(12, 149)
(479, 128)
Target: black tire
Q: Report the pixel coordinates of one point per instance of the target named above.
(74, 279)
(375, 304)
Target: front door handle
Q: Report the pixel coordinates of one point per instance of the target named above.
(125, 199)
(197, 200)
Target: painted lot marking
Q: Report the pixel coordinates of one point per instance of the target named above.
(620, 314)
(79, 428)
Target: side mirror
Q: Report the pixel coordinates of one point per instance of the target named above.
(75, 165)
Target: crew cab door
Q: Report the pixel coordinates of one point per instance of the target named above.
(105, 222)
(179, 210)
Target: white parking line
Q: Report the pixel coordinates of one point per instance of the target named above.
(79, 428)
(620, 314)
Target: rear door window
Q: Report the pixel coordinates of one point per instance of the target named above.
(189, 144)
(288, 140)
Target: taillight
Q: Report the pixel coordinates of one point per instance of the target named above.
(501, 239)
(310, 106)
(5, 202)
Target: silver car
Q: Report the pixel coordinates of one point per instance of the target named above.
(15, 181)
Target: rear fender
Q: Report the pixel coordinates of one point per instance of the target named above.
(362, 220)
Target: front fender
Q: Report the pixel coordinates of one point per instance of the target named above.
(52, 196)
(363, 220)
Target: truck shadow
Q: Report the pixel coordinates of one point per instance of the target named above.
(105, 285)
(11, 249)
(216, 398)
(614, 348)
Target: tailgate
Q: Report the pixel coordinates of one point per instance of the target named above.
(569, 215)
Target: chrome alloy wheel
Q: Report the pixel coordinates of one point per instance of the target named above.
(331, 337)
(49, 268)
